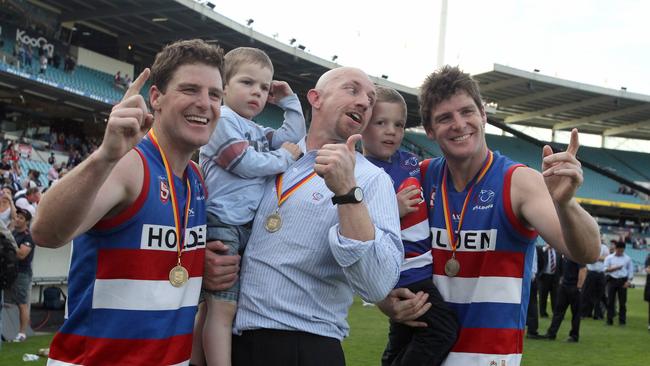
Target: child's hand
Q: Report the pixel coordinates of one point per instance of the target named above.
(293, 149)
(279, 90)
(407, 200)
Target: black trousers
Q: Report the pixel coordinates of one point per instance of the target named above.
(271, 347)
(566, 296)
(548, 284)
(592, 294)
(614, 288)
(532, 316)
(408, 346)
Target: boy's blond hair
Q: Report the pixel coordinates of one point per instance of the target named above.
(390, 95)
(234, 60)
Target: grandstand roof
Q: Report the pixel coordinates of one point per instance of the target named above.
(138, 23)
(532, 99)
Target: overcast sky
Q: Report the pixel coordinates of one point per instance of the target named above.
(600, 42)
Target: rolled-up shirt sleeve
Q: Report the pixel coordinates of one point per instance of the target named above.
(373, 267)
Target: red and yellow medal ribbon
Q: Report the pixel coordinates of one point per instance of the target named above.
(453, 239)
(180, 231)
(282, 196)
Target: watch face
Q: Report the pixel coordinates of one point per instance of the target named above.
(358, 194)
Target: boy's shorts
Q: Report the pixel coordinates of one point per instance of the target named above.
(235, 238)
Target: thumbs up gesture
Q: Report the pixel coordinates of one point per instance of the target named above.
(562, 171)
(335, 164)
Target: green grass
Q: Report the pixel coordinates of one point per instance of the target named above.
(599, 345)
(12, 353)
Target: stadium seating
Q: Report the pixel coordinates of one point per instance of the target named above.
(40, 166)
(93, 83)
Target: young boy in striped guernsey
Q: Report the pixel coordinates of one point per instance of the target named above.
(381, 141)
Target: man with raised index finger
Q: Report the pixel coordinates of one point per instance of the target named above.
(485, 212)
(325, 229)
(136, 211)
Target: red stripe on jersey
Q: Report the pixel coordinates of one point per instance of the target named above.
(105, 351)
(231, 153)
(507, 205)
(475, 264)
(501, 341)
(131, 210)
(138, 264)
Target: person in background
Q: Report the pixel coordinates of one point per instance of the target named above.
(22, 288)
(620, 273)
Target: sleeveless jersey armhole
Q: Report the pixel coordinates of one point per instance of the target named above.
(132, 209)
(507, 203)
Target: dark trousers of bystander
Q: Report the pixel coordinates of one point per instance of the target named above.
(592, 295)
(548, 284)
(272, 347)
(615, 288)
(532, 317)
(566, 296)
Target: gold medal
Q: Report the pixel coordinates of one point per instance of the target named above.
(178, 276)
(452, 267)
(273, 222)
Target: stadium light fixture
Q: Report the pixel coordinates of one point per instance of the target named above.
(292, 41)
(250, 21)
(159, 19)
(334, 58)
(210, 5)
(384, 76)
(301, 47)
(129, 47)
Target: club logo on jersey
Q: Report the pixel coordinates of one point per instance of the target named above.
(159, 237)
(484, 200)
(410, 163)
(164, 190)
(470, 240)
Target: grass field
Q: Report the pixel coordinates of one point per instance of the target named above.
(599, 345)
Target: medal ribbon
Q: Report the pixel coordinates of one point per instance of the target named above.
(282, 196)
(180, 231)
(445, 203)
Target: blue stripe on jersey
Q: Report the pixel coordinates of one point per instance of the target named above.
(489, 315)
(118, 324)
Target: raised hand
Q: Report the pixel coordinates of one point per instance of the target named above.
(128, 122)
(335, 164)
(562, 171)
(279, 90)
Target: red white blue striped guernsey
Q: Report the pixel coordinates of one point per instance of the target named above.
(495, 251)
(122, 309)
(404, 171)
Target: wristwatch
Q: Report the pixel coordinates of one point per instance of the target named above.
(354, 196)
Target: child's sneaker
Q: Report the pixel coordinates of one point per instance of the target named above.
(20, 337)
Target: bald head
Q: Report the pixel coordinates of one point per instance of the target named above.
(338, 73)
(341, 102)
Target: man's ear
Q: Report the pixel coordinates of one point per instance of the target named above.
(154, 97)
(314, 98)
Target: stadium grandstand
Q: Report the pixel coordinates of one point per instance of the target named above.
(60, 110)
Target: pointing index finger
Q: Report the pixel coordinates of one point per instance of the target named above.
(574, 143)
(137, 84)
